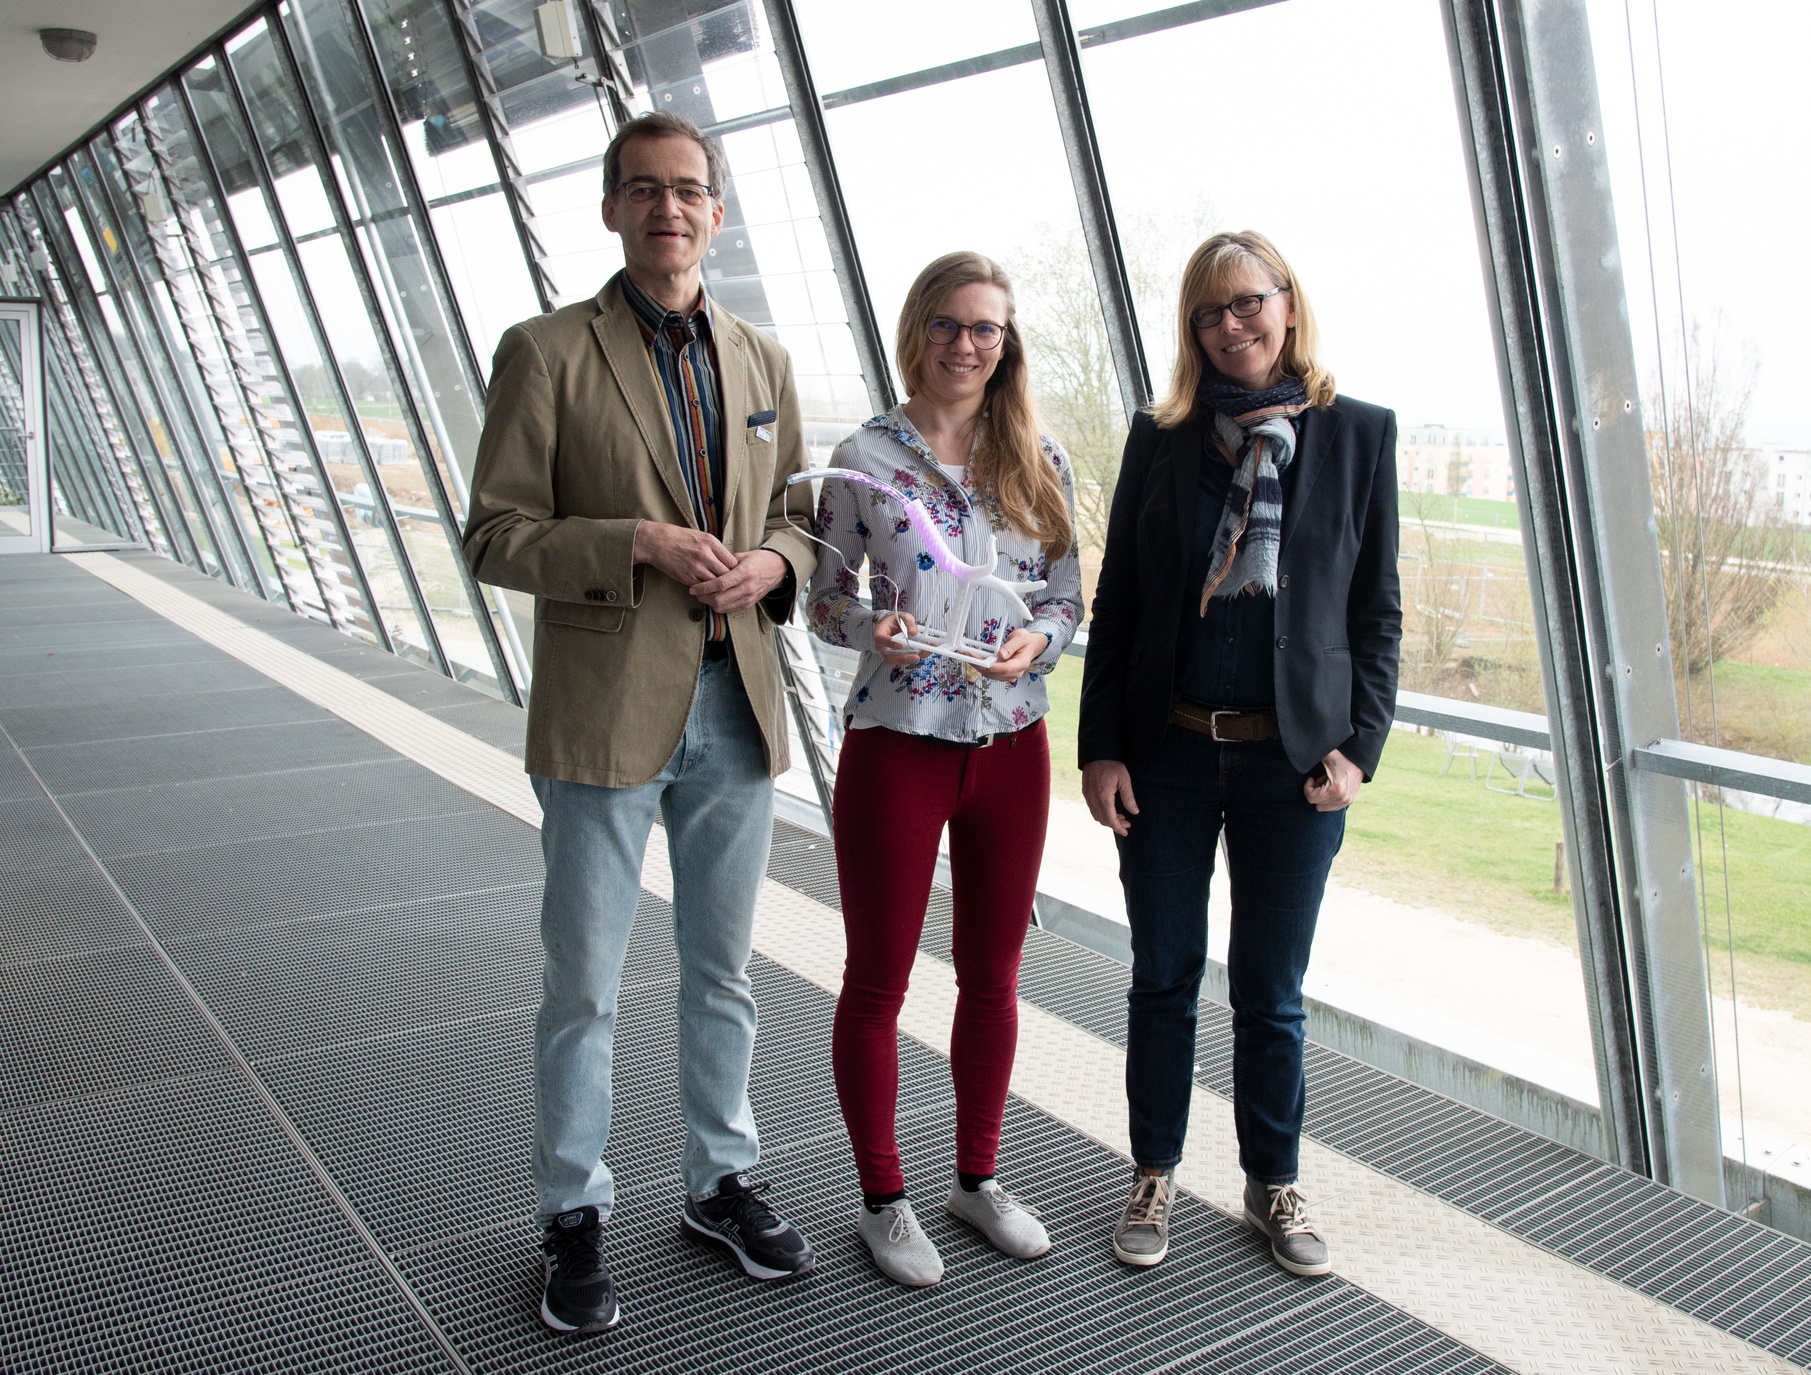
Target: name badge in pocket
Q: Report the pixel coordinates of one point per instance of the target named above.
(759, 421)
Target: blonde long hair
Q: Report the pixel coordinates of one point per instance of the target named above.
(1210, 267)
(1008, 466)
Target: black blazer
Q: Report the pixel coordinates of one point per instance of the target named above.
(1339, 605)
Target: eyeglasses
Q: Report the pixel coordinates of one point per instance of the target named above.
(1244, 307)
(690, 194)
(983, 334)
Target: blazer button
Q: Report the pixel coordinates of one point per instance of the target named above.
(610, 596)
(1282, 642)
(1283, 581)
(697, 613)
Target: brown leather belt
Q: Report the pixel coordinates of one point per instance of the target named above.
(1227, 726)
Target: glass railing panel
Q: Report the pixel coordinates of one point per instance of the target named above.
(1729, 449)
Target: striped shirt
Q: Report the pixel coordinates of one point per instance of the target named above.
(684, 352)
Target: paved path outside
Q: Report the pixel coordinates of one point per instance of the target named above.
(1515, 1002)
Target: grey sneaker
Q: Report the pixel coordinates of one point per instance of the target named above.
(1009, 1225)
(1280, 1212)
(901, 1249)
(1143, 1234)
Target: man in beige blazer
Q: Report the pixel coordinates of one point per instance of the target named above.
(632, 476)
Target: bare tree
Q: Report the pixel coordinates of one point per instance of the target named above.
(1713, 513)
(1435, 581)
(1072, 365)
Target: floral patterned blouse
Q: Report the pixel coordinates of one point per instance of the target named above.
(939, 696)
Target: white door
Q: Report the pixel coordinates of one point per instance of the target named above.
(24, 485)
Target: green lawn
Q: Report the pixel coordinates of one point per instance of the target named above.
(1499, 515)
(1760, 708)
(1769, 905)
(1448, 842)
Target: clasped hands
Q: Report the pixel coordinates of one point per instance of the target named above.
(701, 563)
(1107, 787)
(1018, 651)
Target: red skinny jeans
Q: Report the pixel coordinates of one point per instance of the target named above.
(894, 794)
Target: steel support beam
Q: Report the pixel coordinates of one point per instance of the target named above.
(1063, 65)
(820, 164)
(1528, 97)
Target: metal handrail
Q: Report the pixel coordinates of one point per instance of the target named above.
(1751, 773)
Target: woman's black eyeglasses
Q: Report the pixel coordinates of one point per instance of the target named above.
(1244, 307)
(984, 334)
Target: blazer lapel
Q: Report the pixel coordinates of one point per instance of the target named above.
(1314, 438)
(732, 375)
(620, 337)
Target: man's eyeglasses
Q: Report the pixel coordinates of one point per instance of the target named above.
(1244, 307)
(690, 194)
(983, 334)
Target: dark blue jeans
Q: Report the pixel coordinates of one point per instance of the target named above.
(1278, 850)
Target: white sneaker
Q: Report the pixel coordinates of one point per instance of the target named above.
(901, 1249)
(1011, 1227)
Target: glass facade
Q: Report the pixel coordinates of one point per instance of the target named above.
(272, 288)
(1729, 449)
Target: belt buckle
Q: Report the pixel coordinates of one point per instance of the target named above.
(1213, 726)
(983, 741)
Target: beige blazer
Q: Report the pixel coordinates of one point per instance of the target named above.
(577, 451)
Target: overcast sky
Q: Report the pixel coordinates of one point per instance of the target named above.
(1330, 125)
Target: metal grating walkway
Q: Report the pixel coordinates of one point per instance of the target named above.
(265, 997)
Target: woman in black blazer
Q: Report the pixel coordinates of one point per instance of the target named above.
(1241, 678)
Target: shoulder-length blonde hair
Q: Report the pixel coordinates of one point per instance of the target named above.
(1008, 465)
(1210, 268)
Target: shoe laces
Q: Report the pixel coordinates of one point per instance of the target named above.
(1150, 1200)
(576, 1251)
(905, 1222)
(1289, 1210)
(749, 1205)
(1004, 1203)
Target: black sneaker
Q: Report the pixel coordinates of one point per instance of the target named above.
(764, 1244)
(579, 1296)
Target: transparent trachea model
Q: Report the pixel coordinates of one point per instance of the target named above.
(945, 636)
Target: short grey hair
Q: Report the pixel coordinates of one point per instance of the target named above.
(664, 124)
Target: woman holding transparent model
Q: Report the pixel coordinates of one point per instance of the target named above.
(1241, 680)
(934, 740)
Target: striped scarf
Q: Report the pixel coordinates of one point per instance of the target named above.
(1253, 432)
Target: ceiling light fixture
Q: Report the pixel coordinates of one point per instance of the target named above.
(68, 45)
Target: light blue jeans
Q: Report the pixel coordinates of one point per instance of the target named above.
(716, 800)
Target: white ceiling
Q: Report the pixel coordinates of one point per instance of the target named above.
(46, 105)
